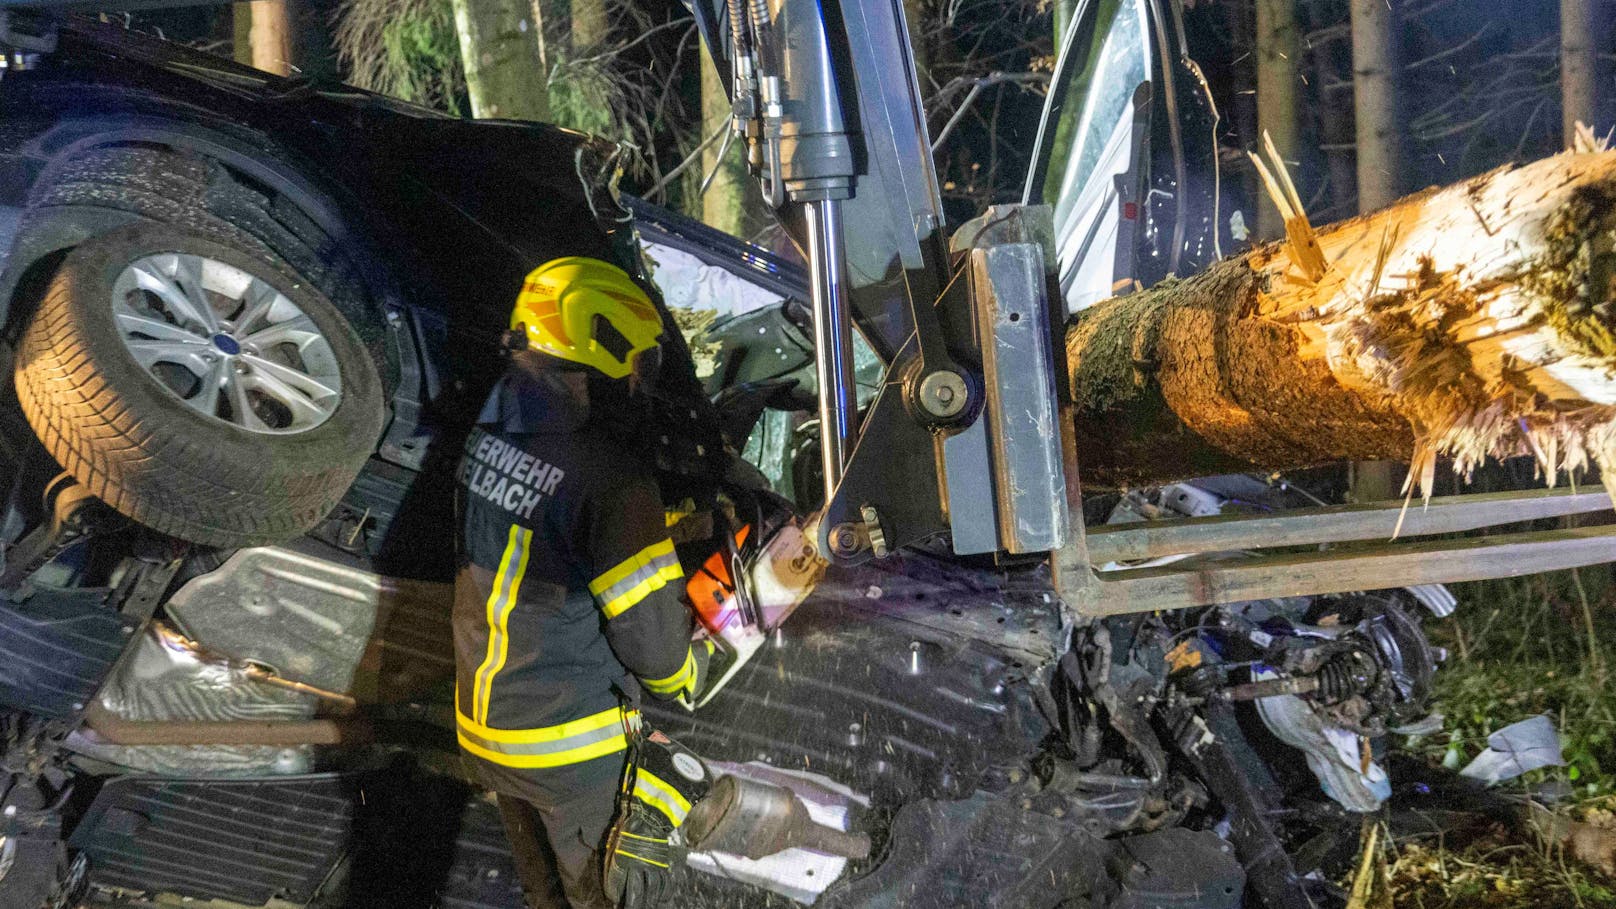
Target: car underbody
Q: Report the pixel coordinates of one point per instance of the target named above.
(995, 752)
(1189, 705)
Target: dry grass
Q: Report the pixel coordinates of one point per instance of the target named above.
(1496, 872)
(1520, 647)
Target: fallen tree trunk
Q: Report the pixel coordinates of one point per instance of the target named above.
(1470, 321)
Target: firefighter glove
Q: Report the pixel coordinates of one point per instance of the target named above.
(702, 654)
(662, 782)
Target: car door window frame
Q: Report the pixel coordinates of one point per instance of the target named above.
(1070, 135)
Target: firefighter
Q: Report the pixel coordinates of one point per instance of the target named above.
(567, 598)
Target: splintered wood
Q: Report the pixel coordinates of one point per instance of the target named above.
(1301, 242)
(1465, 322)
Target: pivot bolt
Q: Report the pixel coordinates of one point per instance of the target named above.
(943, 394)
(873, 531)
(844, 539)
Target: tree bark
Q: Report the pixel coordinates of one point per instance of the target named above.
(1335, 125)
(1579, 65)
(241, 35)
(499, 48)
(724, 204)
(1472, 321)
(1062, 12)
(1279, 59)
(1374, 68)
(263, 35)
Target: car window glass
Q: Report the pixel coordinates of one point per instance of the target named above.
(782, 442)
(1091, 143)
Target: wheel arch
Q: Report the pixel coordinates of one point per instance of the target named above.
(40, 243)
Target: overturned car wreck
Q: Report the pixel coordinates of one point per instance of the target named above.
(243, 316)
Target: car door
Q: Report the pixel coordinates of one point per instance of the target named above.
(1126, 152)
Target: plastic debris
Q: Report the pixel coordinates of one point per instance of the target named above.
(1345, 769)
(1518, 748)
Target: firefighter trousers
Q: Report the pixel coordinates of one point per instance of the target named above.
(557, 844)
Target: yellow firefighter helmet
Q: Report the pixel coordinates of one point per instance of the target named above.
(589, 312)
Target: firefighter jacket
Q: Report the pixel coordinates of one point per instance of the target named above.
(566, 598)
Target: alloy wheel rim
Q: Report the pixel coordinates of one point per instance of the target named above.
(226, 343)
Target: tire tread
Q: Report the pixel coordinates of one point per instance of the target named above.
(148, 468)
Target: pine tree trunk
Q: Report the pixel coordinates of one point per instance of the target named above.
(1279, 60)
(263, 35)
(1063, 10)
(1375, 65)
(1469, 322)
(1374, 70)
(724, 204)
(499, 48)
(1579, 65)
(241, 37)
(1335, 128)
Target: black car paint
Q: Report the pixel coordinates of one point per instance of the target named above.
(443, 217)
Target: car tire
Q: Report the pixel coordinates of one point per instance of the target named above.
(187, 425)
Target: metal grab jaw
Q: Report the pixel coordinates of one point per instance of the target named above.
(959, 437)
(1349, 547)
(1004, 475)
(977, 389)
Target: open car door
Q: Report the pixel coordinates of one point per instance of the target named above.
(1126, 153)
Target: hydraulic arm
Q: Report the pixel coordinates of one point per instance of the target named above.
(960, 437)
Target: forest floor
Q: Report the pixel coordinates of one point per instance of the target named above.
(1544, 644)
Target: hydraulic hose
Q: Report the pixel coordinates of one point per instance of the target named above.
(737, 29)
(758, 12)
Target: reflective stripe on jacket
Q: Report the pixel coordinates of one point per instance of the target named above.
(566, 598)
(551, 746)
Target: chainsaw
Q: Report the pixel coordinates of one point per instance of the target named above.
(742, 593)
